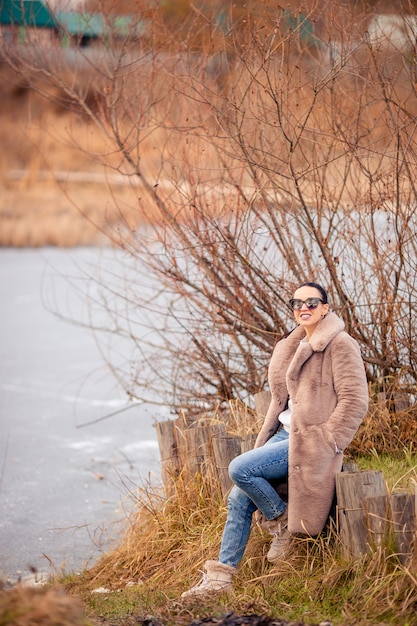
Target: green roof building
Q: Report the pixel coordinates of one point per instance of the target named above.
(83, 27)
(26, 13)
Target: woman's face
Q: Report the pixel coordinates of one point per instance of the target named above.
(309, 317)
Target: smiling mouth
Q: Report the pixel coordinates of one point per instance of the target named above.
(305, 316)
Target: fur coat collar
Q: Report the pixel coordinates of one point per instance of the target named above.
(330, 326)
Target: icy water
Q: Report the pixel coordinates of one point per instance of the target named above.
(63, 484)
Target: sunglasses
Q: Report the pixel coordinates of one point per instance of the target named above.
(311, 303)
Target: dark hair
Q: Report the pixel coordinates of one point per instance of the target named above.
(319, 288)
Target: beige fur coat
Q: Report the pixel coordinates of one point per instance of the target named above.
(325, 378)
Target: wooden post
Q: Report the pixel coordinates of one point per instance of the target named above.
(351, 490)
(194, 446)
(180, 434)
(204, 436)
(377, 513)
(204, 450)
(349, 467)
(247, 443)
(191, 452)
(404, 524)
(168, 448)
(225, 449)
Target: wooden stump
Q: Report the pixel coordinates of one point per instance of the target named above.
(247, 443)
(191, 457)
(404, 524)
(168, 448)
(205, 436)
(349, 467)
(225, 449)
(352, 489)
(187, 449)
(197, 456)
(378, 520)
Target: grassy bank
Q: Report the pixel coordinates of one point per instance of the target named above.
(167, 541)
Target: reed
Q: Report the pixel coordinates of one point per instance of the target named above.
(55, 192)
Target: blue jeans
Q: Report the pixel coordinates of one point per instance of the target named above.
(251, 473)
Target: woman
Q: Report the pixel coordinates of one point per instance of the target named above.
(319, 396)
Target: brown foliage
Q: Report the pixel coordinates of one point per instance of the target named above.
(281, 162)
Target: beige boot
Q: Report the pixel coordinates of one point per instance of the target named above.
(216, 579)
(281, 537)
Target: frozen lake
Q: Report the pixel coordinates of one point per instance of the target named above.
(63, 483)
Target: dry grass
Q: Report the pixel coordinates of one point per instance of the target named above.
(48, 213)
(61, 178)
(386, 431)
(168, 539)
(53, 191)
(192, 513)
(43, 139)
(52, 606)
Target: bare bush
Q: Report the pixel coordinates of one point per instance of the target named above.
(268, 156)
